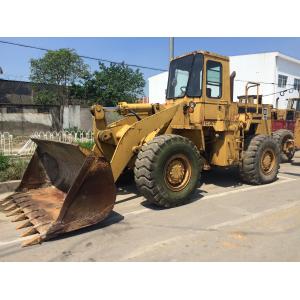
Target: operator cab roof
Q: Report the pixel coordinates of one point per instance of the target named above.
(208, 53)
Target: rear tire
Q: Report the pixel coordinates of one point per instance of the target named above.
(260, 163)
(281, 137)
(167, 170)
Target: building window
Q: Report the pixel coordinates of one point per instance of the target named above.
(213, 79)
(282, 79)
(297, 84)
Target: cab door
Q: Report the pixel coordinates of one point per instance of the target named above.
(215, 94)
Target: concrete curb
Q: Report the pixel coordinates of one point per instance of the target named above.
(9, 186)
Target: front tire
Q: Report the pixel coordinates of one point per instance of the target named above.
(167, 170)
(260, 163)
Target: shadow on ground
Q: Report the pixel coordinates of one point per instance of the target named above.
(197, 195)
(218, 176)
(113, 218)
(294, 163)
(222, 177)
(290, 173)
(129, 189)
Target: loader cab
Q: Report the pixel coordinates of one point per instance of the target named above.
(196, 75)
(203, 77)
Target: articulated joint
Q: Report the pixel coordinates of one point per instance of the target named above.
(97, 111)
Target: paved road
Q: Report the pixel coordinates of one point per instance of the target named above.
(225, 221)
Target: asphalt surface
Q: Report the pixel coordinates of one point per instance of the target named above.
(224, 221)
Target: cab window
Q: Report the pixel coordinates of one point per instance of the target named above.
(185, 77)
(179, 76)
(213, 79)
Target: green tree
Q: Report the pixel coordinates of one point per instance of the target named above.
(110, 85)
(54, 73)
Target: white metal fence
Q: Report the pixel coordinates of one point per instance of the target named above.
(21, 145)
(6, 143)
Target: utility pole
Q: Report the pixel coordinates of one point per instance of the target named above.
(171, 48)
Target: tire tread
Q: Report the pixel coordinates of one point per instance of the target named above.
(248, 171)
(145, 163)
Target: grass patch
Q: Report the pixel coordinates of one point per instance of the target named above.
(12, 168)
(4, 162)
(87, 145)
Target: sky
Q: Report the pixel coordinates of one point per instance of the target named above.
(152, 52)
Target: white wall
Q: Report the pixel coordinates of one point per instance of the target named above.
(76, 116)
(254, 67)
(291, 70)
(30, 117)
(157, 88)
(71, 116)
(86, 118)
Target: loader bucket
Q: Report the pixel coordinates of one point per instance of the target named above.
(62, 190)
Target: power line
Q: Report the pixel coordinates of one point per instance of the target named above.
(118, 63)
(85, 57)
(133, 65)
(282, 93)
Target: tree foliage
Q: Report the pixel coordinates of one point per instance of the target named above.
(52, 75)
(110, 85)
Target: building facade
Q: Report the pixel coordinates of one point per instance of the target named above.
(157, 87)
(278, 74)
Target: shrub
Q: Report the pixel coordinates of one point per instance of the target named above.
(4, 162)
(87, 145)
(14, 169)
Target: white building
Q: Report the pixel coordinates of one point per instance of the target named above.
(276, 72)
(157, 87)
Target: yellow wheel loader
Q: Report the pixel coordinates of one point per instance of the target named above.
(167, 145)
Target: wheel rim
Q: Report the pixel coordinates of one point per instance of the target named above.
(177, 172)
(268, 161)
(288, 147)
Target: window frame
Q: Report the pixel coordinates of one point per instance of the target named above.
(282, 77)
(297, 86)
(221, 79)
(190, 75)
(194, 55)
